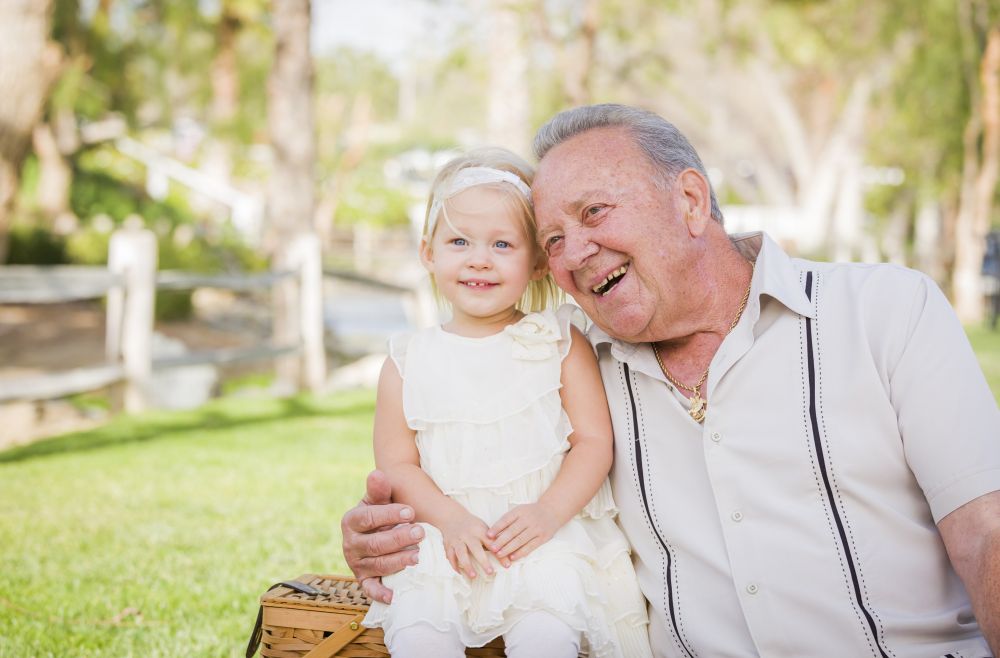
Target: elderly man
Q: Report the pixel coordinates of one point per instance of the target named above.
(807, 455)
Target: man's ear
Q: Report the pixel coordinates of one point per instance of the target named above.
(426, 254)
(695, 200)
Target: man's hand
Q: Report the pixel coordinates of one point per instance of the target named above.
(379, 537)
(522, 530)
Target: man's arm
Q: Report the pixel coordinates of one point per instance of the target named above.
(972, 536)
(378, 537)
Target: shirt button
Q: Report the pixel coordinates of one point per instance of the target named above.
(736, 516)
(716, 437)
(752, 588)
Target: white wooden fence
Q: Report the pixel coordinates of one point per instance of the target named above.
(129, 283)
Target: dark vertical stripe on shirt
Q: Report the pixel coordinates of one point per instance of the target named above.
(649, 516)
(821, 459)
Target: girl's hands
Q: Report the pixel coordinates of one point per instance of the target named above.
(522, 530)
(464, 544)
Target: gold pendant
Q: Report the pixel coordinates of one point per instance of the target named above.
(697, 411)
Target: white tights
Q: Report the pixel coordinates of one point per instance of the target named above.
(536, 635)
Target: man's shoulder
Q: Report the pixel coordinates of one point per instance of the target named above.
(865, 278)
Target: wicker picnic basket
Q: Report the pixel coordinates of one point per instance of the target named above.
(320, 617)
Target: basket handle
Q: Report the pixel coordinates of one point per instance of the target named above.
(343, 636)
(254, 643)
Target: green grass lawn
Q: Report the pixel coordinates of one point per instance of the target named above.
(186, 518)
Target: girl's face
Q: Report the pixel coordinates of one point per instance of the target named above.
(483, 261)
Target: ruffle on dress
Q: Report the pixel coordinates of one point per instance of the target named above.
(591, 589)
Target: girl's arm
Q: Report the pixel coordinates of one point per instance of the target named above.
(396, 455)
(586, 465)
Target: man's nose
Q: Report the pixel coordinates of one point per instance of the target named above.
(577, 248)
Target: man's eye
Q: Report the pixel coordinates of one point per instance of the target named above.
(593, 210)
(552, 244)
(502, 244)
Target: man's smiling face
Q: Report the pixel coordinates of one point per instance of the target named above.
(616, 239)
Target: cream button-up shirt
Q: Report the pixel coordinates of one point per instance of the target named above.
(847, 414)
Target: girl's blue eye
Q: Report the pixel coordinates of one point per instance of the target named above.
(459, 242)
(503, 244)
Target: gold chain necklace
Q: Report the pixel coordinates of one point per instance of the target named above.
(699, 405)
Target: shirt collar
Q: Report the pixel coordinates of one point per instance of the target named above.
(775, 275)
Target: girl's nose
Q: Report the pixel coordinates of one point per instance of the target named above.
(479, 258)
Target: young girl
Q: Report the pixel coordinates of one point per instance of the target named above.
(495, 429)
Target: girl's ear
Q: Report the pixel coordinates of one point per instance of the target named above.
(426, 254)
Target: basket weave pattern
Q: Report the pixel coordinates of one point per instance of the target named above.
(294, 623)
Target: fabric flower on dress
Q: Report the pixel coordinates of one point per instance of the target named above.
(535, 337)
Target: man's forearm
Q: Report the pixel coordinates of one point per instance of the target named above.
(985, 591)
(971, 534)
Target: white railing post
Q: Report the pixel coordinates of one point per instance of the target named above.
(132, 255)
(306, 259)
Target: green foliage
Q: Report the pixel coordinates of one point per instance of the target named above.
(346, 73)
(96, 193)
(986, 343)
(96, 77)
(255, 49)
(33, 245)
(370, 201)
(185, 517)
(918, 123)
(107, 183)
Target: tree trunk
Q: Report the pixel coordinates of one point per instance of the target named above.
(818, 193)
(508, 94)
(979, 180)
(224, 71)
(54, 141)
(356, 138)
(576, 53)
(896, 230)
(225, 77)
(28, 65)
(929, 237)
(291, 198)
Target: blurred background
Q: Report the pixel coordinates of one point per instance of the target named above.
(228, 129)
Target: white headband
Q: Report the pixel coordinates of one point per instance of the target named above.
(470, 177)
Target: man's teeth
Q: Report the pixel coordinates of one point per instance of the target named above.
(599, 288)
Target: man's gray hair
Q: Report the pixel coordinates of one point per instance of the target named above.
(665, 146)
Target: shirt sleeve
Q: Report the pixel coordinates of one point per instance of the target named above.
(948, 418)
(397, 350)
(569, 315)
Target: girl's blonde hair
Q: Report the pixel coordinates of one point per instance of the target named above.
(540, 293)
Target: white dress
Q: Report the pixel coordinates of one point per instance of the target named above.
(492, 434)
